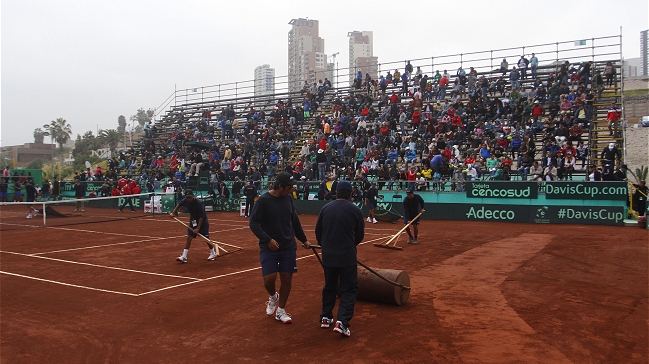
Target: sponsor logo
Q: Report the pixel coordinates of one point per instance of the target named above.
(488, 214)
(602, 214)
(593, 190)
(502, 190)
(541, 216)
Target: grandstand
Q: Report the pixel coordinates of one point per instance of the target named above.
(195, 115)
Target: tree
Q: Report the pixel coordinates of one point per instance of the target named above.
(111, 137)
(640, 174)
(39, 135)
(59, 130)
(85, 145)
(121, 122)
(36, 164)
(142, 116)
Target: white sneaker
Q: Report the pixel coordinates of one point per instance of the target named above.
(374, 221)
(29, 216)
(369, 219)
(212, 256)
(325, 322)
(271, 304)
(181, 259)
(283, 316)
(342, 329)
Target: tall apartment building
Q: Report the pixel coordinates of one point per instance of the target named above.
(361, 55)
(307, 60)
(264, 80)
(644, 52)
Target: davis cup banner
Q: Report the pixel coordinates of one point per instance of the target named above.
(587, 190)
(502, 189)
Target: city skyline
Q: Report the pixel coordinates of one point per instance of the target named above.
(91, 62)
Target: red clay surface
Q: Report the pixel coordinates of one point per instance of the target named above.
(481, 292)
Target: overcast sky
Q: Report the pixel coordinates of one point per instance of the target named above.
(90, 61)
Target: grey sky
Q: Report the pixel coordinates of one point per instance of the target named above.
(91, 61)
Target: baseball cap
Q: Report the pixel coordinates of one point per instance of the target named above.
(285, 179)
(410, 190)
(344, 186)
(188, 193)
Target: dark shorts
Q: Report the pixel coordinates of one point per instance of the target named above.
(273, 261)
(204, 230)
(371, 205)
(416, 222)
(3, 194)
(17, 193)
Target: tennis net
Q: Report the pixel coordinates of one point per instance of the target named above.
(17, 215)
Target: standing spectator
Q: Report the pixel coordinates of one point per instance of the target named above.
(339, 229)
(522, 66)
(127, 191)
(4, 188)
(274, 221)
(613, 117)
(79, 193)
(640, 197)
(30, 191)
(370, 201)
(514, 78)
(250, 191)
(609, 73)
(534, 62)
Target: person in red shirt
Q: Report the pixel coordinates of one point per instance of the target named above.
(115, 192)
(613, 116)
(537, 110)
(126, 191)
(411, 177)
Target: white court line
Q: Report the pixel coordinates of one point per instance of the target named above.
(233, 273)
(195, 280)
(100, 266)
(101, 232)
(105, 245)
(205, 279)
(69, 285)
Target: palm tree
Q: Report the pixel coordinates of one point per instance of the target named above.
(59, 131)
(111, 137)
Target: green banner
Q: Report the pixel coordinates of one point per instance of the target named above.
(502, 189)
(585, 215)
(67, 187)
(587, 190)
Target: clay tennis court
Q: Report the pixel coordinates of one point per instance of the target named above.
(481, 292)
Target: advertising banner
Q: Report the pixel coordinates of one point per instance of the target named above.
(502, 189)
(587, 190)
(585, 215)
(505, 213)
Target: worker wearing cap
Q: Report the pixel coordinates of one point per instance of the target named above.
(339, 229)
(198, 223)
(413, 204)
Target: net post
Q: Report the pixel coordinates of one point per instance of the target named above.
(44, 217)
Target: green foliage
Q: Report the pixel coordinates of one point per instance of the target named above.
(36, 164)
(121, 123)
(638, 92)
(39, 135)
(142, 116)
(86, 144)
(640, 174)
(79, 163)
(112, 138)
(59, 130)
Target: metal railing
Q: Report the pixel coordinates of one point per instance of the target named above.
(484, 62)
